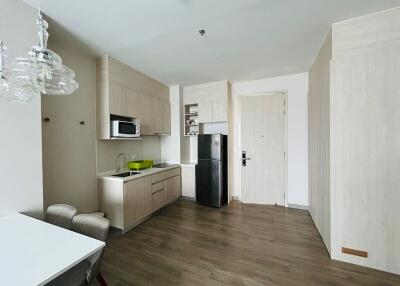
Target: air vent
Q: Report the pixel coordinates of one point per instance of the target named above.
(355, 252)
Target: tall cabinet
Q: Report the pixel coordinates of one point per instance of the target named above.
(210, 102)
(125, 92)
(354, 143)
(206, 110)
(319, 140)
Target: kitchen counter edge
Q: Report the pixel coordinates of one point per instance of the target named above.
(146, 172)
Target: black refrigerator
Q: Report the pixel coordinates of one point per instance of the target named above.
(212, 170)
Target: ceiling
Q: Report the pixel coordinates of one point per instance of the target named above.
(245, 39)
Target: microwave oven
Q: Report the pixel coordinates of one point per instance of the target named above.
(125, 129)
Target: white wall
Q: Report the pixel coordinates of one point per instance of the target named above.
(171, 145)
(297, 88)
(21, 187)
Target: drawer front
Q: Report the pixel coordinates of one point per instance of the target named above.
(157, 187)
(165, 175)
(158, 199)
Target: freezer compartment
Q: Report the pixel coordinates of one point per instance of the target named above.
(211, 146)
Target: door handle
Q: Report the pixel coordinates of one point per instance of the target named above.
(244, 158)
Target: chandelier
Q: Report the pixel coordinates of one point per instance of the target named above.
(41, 71)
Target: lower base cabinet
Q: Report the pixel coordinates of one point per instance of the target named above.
(157, 196)
(137, 200)
(165, 192)
(172, 189)
(127, 204)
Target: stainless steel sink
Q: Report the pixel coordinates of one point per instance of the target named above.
(126, 174)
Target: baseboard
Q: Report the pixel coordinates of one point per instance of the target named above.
(188, 198)
(299, 207)
(235, 198)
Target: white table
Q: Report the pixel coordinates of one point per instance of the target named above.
(33, 252)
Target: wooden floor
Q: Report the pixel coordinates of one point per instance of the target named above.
(187, 244)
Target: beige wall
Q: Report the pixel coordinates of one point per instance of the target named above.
(148, 148)
(72, 156)
(21, 188)
(69, 151)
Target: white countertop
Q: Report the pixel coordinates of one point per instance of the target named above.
(33, 252)
(146, 172)
(189, 164)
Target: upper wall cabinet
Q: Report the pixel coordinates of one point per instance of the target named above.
(211, 100)
(123, 91)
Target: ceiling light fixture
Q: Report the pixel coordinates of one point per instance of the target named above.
(15, 83)
(42, 71)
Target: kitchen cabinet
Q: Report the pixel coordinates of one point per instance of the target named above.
(132, 104)
(219, 111)
(147, 119)
(123, 91)
(127, 203)
(117, 100)
(157, 196)
(172, 189)
(165, 117)
(137, 200)
(157, 116)
(213, 111)
(205, 112)
(124, 101)
(212, 100)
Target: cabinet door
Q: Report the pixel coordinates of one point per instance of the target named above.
(133, 104)
(173, 189)
(158, 195)
(166, 117)
(117, 99)
(205, 111)
(219, 111)
(157, 116)
(137, 200)
(146, 120)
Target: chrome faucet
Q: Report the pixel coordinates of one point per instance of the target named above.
(117, 165)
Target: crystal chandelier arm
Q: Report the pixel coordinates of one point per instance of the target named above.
(15, 84)
(2, 51)
(42, 30)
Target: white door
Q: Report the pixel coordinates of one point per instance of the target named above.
(263, 140)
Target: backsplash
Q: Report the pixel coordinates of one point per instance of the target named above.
(148, 148)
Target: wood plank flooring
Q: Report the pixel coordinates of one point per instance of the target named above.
(187, 244)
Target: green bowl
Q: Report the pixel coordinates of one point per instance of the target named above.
(140, 165)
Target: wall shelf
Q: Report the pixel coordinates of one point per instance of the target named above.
(191, 125)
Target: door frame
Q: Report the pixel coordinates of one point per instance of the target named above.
(284, 93)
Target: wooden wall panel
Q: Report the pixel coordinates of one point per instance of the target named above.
(125, 75)
(365, 140)
(319, 141)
